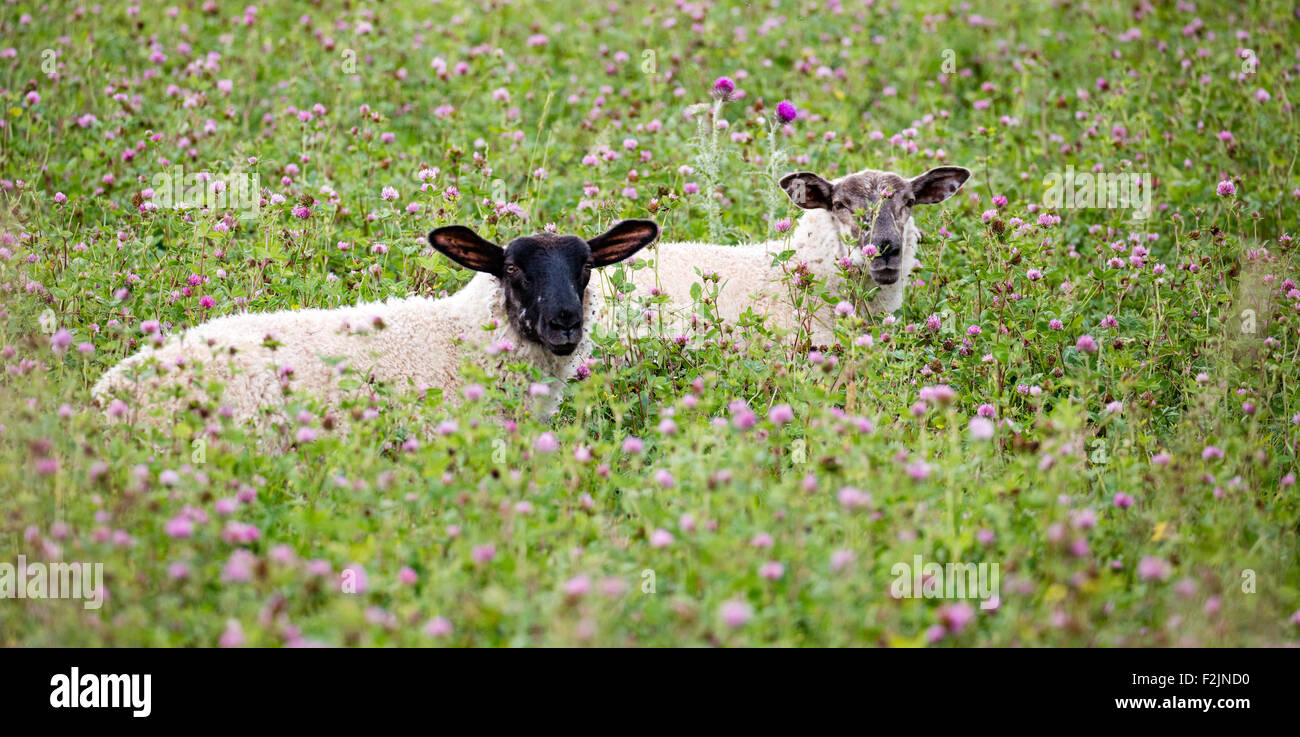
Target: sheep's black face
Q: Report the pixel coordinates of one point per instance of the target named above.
(874, 207)
(545, 276)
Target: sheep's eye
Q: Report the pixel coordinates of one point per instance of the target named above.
(512, 270)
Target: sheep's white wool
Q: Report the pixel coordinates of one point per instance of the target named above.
(410, 343)
(748, 280)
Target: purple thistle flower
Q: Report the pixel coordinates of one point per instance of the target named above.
(723, 88)
(786, 111)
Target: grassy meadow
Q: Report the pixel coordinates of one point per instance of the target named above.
(1098, 405)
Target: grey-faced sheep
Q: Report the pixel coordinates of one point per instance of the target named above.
(871, 210)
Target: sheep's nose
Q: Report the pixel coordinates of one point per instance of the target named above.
(887, 247)
(566, 320)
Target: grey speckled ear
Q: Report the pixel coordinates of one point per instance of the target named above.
(938, 184)
(808, 190)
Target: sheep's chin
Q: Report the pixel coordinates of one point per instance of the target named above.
(561, 349)
(885, 270)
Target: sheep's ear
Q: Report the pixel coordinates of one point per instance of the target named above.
(467, 248)
(624, 239)
(938, 184)
(807, 190)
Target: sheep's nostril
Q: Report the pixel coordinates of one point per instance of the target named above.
(565, 323)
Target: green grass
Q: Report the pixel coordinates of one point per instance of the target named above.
(1201, 325)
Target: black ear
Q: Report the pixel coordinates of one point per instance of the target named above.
(624, 239)
(807, 190)
(938, 184)
(465, 247)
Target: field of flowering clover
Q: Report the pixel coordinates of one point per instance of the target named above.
(1102, 402)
